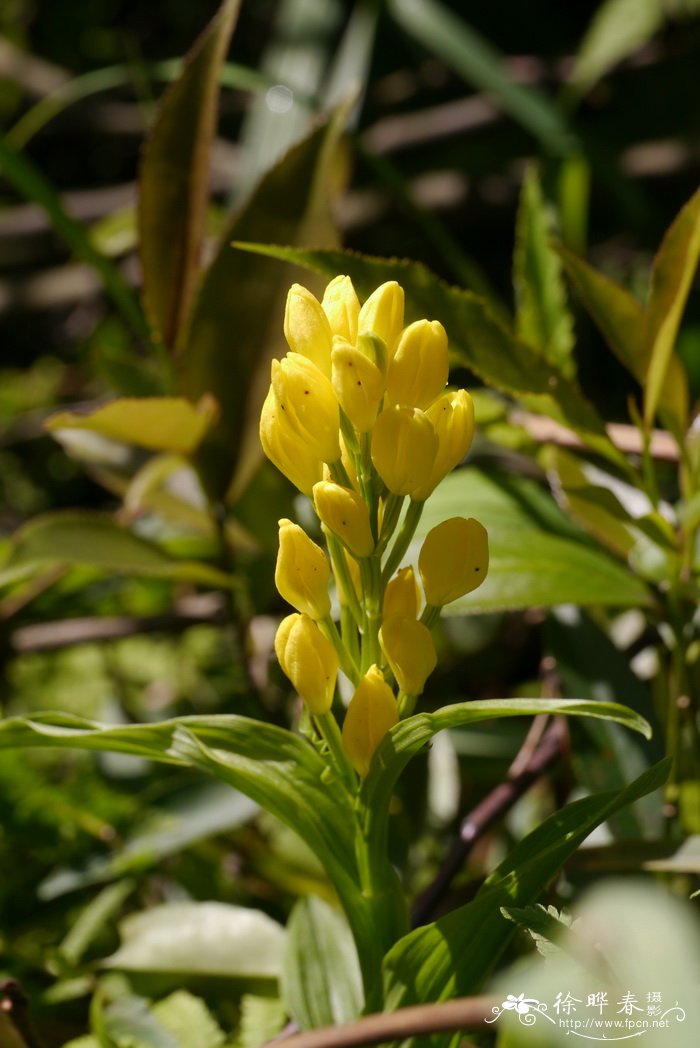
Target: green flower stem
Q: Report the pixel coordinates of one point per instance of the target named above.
(406, 704)
(372, 601)
(403, 539)
(347, 663)
(348, 631)
(340, 474)
(349, 434)
(367, 479)
(330, 733)
(430, 615)
(392, 511)
(342, 574)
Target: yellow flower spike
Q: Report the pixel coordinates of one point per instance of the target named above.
(408, 646)
(419, 367)
(402, 596)
(342, 307)
(382, 314)
(454, 559)
(371, 714)
(452, 416)
(307, 399)
(346, 514)
(358, 384)
(302, 572)
(282, 447)
(404, 446)
(306, 328)
(309, 660)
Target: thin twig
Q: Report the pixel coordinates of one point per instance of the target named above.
(463, 1013)
(626, 438)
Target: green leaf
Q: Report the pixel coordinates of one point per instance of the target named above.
(440, 961)
(201, 938)
(237, 318)
(157, 423)
(30, 182)
(479, 342)
(671, 280)
(321, 979)
(620, 319)
(95, 540)
(105, 905)
(441, 31)
(262, 1018)
(543, 318)
(533, 560)
(174, 180)
(189, 1020)
(618, 29)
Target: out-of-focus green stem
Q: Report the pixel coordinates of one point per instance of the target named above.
(392, 511)
(330, 732)
(347, 663)
(403, 539)
(342, 574)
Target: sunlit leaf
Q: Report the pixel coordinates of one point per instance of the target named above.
(543, 318)
(157, 423)
(174, 180)
(618, 29)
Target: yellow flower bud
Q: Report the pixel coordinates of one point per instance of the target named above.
(309, 660)
(371, 714)
(410, 652)
(345, 513)
(452, 416)
(454, 559)
(382, 314)
(307, 399)
(402, 596)
(302, 572)
(283, 448)
(358, 384)
(306, 328)
(404, 446)
(418, 370)
(342, 307)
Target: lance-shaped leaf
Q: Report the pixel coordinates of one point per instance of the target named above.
(174, 179)
(95, 540)
(671, 279)
(237, 318)
(543, 318)
(440, 961)
(621, 319)
(478, 341)
(157, 423)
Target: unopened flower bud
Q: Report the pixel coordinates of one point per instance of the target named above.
(345, 513)
(452, 416)
(306, 328)
(283, 448)
(402, 596)
(342, 307)
(453, 560)
(358, 384)
(302, 572)
(410, 652)
(309, 660)
(371, 714)
(403, 449)
(307, 399)
(419, 367)
(382, 314)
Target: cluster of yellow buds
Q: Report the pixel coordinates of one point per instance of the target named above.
(358, 417)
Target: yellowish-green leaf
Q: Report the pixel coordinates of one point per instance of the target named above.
(672, 276)
(543, 318)
(170, 424)
(174, 180)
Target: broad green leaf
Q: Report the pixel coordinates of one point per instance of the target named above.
(671, 279)
(479, 342)
(236, 325)
(31, 183)
(174, 180)
(618, 29)
(535, 559)
(439, 29)
(202, 938)
(321, 978)
(90, 922)
(95, 540)
(157, 423)
(543, 318)
(440, 961)
(189, 1020)
(262, 1018)
(620, 319)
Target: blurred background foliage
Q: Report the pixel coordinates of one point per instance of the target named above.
(448, 106)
